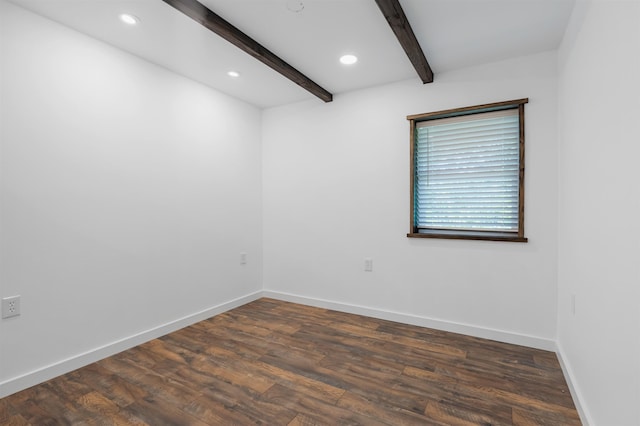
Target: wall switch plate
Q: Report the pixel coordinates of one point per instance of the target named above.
(243, 258)
(10, 306)
(368, 264)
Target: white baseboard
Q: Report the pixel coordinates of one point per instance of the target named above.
(578, 399)
(43, 374)
(470, 330)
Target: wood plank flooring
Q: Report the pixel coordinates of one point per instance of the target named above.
(277, 363)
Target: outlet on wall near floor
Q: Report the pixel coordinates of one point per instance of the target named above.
(368, 264)
(10, 306)
(243, 258)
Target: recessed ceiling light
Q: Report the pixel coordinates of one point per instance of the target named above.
(234, 74)
(129, 19)
(348, 59)
(295, 6)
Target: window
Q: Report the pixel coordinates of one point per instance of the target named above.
(467, 173)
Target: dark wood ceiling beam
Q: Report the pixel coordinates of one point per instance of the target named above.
(201, 14)
(392, 11)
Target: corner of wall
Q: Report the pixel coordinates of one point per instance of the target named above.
(576, 394)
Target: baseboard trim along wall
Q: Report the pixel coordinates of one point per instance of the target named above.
(585, 417)
(43, 374)
(470, 330)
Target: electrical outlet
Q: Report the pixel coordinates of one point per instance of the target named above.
(368, 264)
(573, 304)
(243, 258)
(10, 306)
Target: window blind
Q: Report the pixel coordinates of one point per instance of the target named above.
(467, 172)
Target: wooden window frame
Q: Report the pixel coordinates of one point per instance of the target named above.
(464, 234)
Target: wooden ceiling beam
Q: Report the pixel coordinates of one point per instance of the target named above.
(201, 14)
(392, 11)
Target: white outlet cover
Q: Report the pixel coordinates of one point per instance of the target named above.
(10, 306)
(368, 264)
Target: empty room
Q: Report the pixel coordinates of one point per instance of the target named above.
(320, 212)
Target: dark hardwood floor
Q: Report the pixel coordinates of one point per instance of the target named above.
(276, 363)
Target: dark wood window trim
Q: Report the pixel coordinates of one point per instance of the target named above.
(463, 234)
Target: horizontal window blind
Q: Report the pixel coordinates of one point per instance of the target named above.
(467, 172)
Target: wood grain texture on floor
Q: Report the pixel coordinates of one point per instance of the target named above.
(277, 363)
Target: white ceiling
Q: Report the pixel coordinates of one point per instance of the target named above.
(452, 33)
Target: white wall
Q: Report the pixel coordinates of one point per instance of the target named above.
(336, 190)
(127, 194)
(599, 207)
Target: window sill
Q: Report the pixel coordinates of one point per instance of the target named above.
(506, 238)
